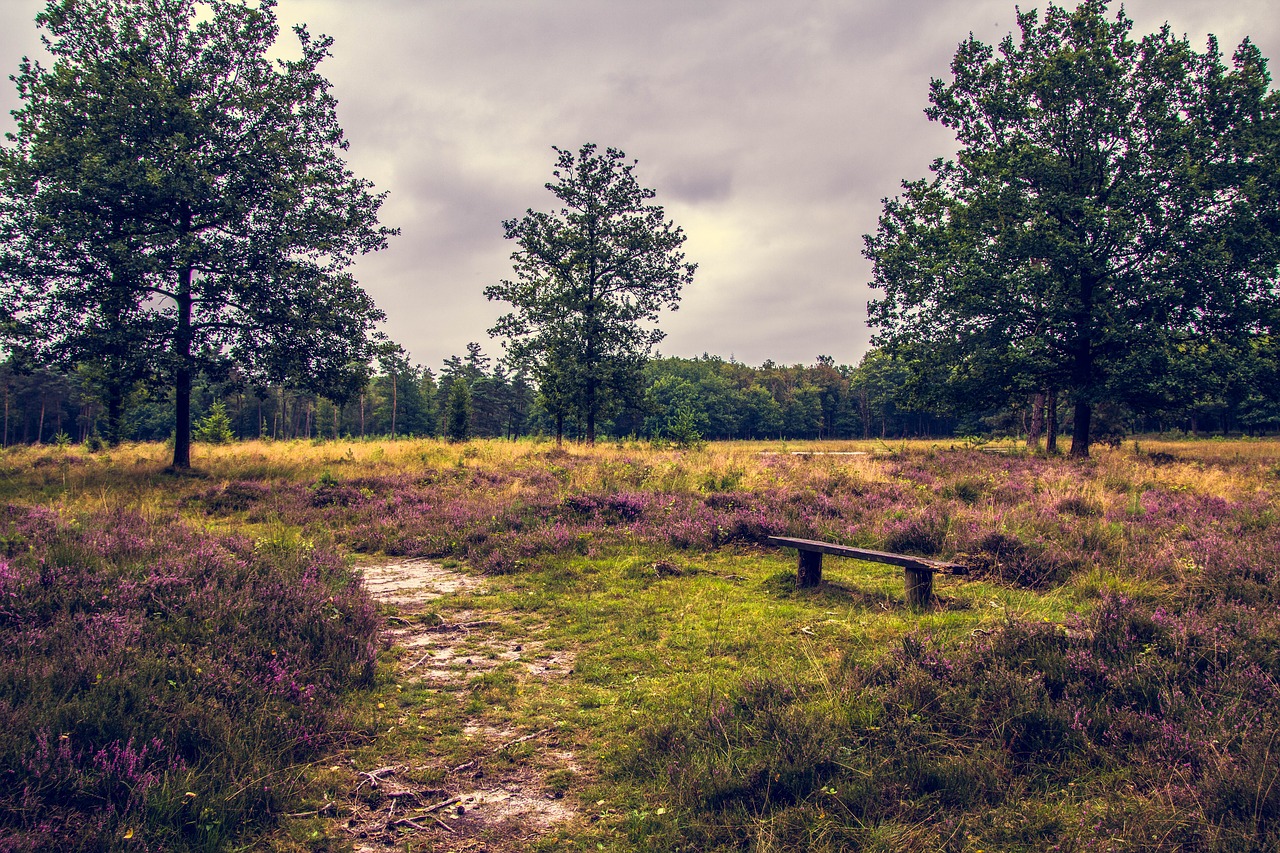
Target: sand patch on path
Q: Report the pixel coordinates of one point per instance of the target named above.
(499, 801)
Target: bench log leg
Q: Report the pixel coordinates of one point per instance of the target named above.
(919, 583)
(809, 572)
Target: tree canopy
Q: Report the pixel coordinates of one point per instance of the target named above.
(177, 200)
(590, 281)
(1113, 203)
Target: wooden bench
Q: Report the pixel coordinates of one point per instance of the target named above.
(917, 572)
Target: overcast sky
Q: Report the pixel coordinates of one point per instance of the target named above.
(770, 131)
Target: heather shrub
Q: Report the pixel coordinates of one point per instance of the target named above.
(1079, 506)
(1034, 564)
(968, 490)
(921, 533)
(158, 681)
(1132, 705)
(236, 496)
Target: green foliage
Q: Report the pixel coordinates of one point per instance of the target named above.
(679, 414)
(164, 157)
(1113, 202)
(459, 413)
(683, 429)
(215, 427)
(590, 282)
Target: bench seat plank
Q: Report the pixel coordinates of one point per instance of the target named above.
(902, 560)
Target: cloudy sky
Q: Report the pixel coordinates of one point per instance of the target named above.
(771, 131)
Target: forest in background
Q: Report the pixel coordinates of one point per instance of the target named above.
(669, 399)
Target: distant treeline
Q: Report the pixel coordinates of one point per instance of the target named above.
(673, 399)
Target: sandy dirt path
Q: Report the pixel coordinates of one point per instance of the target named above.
(498, 801)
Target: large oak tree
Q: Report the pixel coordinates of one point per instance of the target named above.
(1112, 200)
(174, 200)
(590, 281)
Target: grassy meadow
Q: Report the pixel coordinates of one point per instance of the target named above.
(193, 664)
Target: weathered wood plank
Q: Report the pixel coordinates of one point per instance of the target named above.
(906, 562)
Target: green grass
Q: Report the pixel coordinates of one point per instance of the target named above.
(653, 647)
(711, 704)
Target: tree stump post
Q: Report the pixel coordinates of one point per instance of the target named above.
(919, 584)
(809, 572)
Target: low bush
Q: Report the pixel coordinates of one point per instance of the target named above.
(1133, 705)
(159, 682)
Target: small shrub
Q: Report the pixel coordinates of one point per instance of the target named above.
(1079, 506)
(215, 427)
(147, 659)
(236, 496)
(923, 534)
(968, 490)
(682, 429)
(1035, 564)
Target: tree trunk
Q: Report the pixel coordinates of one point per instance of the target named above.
(559, 430)
(114, 415)
(1082, 367)
(1080, 430)
(394, 403)
(183, 374)
(1037, 422)
(40, 424)
(278, 423)
(1051, 422)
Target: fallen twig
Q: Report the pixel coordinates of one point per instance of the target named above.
(372, 776)
(445, 627)
(462, 767)
(418, 662)
(512, 743)
(314, 813)
(408, 821)
(438, 806)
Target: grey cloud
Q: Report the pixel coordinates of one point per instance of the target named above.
(770, 132)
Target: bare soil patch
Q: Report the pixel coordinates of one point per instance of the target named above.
(498, 801)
